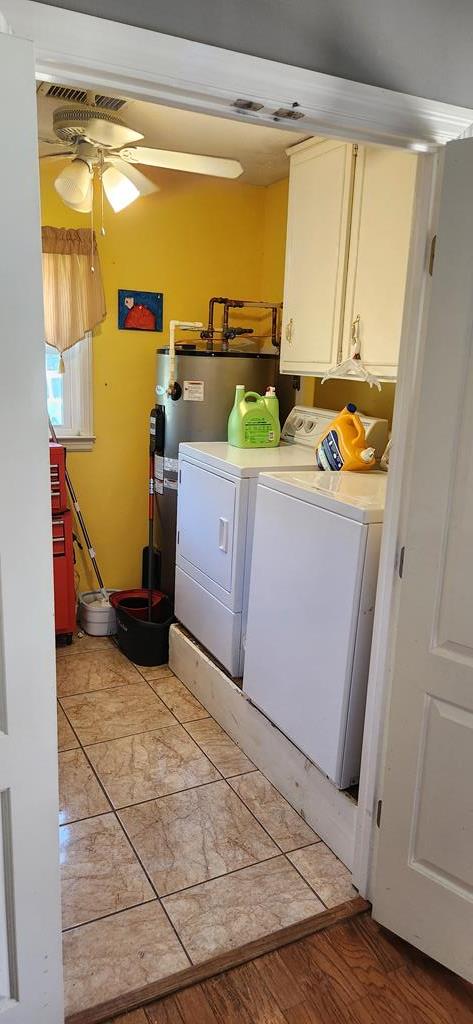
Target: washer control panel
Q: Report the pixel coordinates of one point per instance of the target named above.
(305, 424)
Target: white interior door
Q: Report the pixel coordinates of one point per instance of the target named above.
(30, 950)
(424, 879)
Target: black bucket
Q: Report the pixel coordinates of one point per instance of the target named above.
(145, 643)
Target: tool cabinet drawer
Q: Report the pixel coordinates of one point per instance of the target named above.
(59, 534)
(63, 567)
(57, 473)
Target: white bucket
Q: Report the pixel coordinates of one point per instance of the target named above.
(96, 619)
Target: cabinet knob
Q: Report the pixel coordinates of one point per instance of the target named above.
(289, 330)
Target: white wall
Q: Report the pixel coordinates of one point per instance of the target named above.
(422, 47)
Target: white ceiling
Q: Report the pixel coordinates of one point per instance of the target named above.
(261, 150)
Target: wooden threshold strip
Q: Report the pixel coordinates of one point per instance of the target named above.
(218, 964)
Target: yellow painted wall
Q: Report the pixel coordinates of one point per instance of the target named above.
(335, 394)
(197, 237)
(274, 239)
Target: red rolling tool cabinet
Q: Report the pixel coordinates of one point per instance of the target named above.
(63, 548)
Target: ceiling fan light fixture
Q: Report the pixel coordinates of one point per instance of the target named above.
(120, 191)
(73, 183)
(85, 206)
(144, 185)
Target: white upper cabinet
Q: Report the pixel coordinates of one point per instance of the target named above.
(320, 197)
(379, 249)
(349, 225)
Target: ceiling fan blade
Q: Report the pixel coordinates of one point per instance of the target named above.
(141, 182)
(58, 156)
(51, 142)
(219, 167)
(106, 133)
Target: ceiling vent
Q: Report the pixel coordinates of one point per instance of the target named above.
(109, 102)
(71, 94)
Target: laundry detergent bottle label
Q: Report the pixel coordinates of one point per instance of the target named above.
(257, 432)
(328, 453)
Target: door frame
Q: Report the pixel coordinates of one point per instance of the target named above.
(402, 463)
(147, 65)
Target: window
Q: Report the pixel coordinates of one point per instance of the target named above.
(69, 394)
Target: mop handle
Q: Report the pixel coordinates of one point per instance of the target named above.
(80, 517)
(150, 536)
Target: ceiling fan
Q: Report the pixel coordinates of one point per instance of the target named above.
(97, 139)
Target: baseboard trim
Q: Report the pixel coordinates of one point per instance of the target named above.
(217, 965)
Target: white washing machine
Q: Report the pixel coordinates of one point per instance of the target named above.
(215, 519)
(314, 572)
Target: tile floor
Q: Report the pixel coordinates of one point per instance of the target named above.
(174, 847)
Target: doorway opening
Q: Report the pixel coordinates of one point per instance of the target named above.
(412, 335)
(160, 810)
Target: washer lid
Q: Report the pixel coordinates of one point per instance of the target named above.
(359, 496)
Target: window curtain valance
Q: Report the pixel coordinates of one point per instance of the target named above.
(74, 300)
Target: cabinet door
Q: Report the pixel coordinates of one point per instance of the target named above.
(206, 515)
(379, 250)
(320, 195)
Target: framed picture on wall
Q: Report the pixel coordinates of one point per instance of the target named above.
(140, 311)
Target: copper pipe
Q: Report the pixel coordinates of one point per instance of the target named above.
(209, 333)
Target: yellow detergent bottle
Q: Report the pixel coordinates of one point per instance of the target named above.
(251, 424)
(343, 446)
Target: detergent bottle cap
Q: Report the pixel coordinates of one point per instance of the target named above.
(270, 391)
(367, 454)
(351, 407)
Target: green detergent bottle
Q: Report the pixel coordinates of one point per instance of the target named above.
(251, 424)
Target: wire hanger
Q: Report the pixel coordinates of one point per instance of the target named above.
(353, 367)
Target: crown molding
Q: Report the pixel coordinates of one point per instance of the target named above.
(83, 50)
